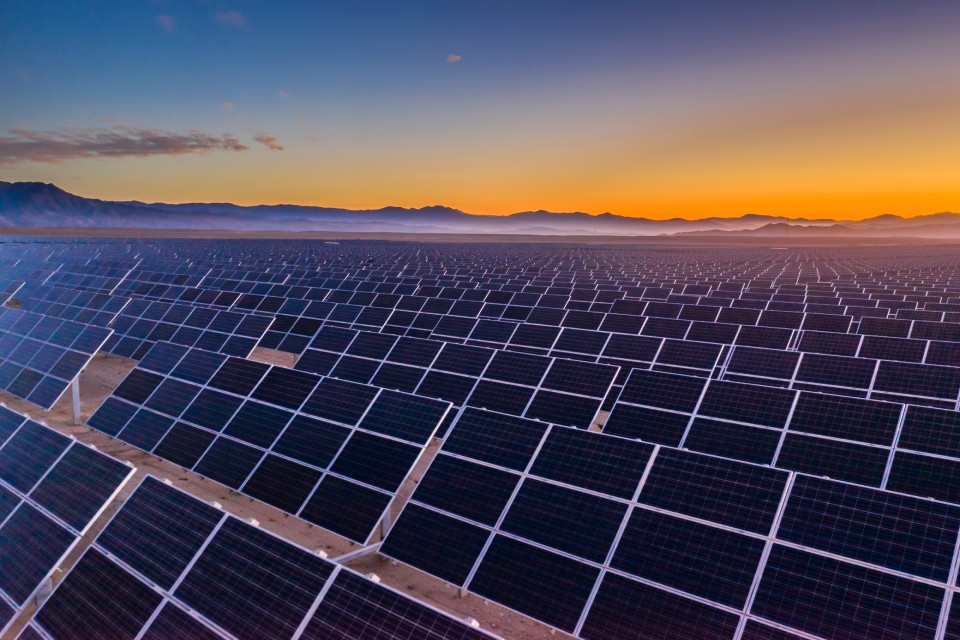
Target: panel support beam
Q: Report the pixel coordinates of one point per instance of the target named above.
(357, 553)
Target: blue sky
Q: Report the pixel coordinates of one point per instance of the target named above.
(642, 108)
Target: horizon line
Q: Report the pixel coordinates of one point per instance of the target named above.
(498, 215)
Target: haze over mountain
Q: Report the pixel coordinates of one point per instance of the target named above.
(38, 204)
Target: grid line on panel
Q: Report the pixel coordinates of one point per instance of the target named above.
(894, 447)
(613, 547)
(768, 545)
(506, 508)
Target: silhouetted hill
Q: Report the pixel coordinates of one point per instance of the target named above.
(38, 204)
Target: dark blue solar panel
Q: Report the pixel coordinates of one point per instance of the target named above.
(765, 406)
(832, 599)
(722, 491)
(79, 485)
(238, 573)
(538, 583)
(905, 534)
(27, 456)
(404, 416)
(712, 563)
(31, 545)
(624, 609)
(158, 531)
(438, 544)
(650, 425)
(345, 507)
(564, 519)
(497, 439)
(663, 390)
(95, 579)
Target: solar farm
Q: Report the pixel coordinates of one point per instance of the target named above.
(381, 440)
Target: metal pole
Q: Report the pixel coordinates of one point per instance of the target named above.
(385, 524)
(75, 395)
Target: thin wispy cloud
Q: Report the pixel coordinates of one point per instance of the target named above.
(24, 145)
(231, 18)
(283, 93)
(167, 23)
(269, 141)
(227, 106)
(454, 57)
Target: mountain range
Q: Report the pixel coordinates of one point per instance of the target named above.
(38, 204)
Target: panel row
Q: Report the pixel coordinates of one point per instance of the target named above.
(332, 452)
(187, 570)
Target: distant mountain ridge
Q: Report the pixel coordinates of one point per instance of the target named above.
(38, 204)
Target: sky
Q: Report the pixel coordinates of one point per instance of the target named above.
(841, 109)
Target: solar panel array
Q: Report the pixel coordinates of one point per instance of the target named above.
(608, 537)
(41, 355)
(876, 443)
(93, 275)
(332, 452)
(186, 569)
(51, 489)
(794, 411)
(141, 324)
(556, 390)
(98, 309)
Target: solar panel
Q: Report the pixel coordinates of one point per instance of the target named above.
(910, 379)
(731, 440)
(762, 363)
(570, 512)
(696, 558)
(625, 608)
(829, 598)
(187, 570)
(722, 491)
(826, 457)
(818, 362)
(41, 355)
(85, 307)
(329, 451)
(902, 533)
(51, 490)
(141, 324)
(663, 390)
(747, 403)
(836, 371)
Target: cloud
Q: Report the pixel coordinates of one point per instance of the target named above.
(23, 145)
(231, 18)
(167, 23)
(283, 93)
(227, 106)
(269, 141)
(454, 57)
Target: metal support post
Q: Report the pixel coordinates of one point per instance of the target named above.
(385, 525)
(75, 396)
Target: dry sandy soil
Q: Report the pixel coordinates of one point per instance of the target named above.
(103, 375)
